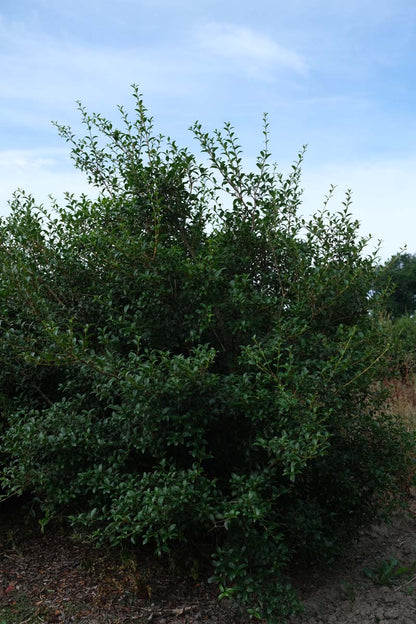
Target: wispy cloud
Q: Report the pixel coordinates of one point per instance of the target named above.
(44, 68)
(43, 74)
(52, 70)
(26, 160)
(246, 46)
(41, 173)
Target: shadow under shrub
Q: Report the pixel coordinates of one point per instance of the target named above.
(196, 375)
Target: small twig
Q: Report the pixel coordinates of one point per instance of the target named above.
(404, 584)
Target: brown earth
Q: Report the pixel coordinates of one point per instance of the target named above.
(374, 584)
(52, 578)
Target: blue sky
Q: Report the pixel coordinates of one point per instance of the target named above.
(339, 76)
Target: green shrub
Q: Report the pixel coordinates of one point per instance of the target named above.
(193, 374)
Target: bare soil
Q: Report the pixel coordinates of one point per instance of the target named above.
(53, 578)
(375, 583)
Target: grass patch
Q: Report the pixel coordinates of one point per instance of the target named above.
(388, 572)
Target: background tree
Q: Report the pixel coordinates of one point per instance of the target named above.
(399, 274)
(398, 277)
(196, 375)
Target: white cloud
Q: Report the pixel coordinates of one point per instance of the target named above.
(43, 74)
(40, 173)
(58, 73)
(245, 45)
(52, 71)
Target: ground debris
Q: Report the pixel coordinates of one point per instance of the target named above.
(53, 579)
(58, 580)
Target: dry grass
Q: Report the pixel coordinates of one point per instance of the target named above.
(402, 402)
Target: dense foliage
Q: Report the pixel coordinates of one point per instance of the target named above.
(397, 277)
(189, 363)
(399, 274)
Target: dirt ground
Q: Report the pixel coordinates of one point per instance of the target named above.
(52, 578)
(374, 584)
